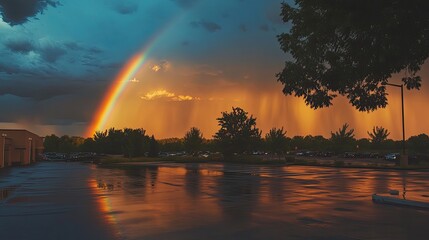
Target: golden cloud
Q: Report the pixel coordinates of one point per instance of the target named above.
(166, 95)
(134, 80)
(156, 68)
(161, 66)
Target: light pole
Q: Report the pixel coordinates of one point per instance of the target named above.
(4, 135)
(29, 150)
(404, 160)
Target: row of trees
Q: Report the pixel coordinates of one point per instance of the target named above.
(128, 142)
(237, 134)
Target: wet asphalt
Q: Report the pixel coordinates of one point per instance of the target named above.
(207, 201)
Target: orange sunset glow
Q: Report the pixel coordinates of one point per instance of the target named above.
(202, 119)
(167, 101)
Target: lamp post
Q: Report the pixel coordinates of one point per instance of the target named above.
(29, 150)
(4, 135)
(404, 160)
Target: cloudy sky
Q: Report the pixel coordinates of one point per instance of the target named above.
(59, 58)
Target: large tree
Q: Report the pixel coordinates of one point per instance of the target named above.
(276, 140)
(378, 135)
(343, 139)
(100, 141)
(134, 141)
(193, 140)
(419, 143)
(237, 133)
(352, 48)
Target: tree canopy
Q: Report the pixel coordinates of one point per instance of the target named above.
(153, 147)
(193, 140)
(276, 140)
(419, 143)
(352, 48)
(378, 135)
(129, 142)
(237, 132)
(343, 138)
(343, 133)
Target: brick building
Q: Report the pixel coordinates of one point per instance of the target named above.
(19, 147)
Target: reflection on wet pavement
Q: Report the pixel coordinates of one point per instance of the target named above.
(216, 201)
(50, 201)
(208, 201)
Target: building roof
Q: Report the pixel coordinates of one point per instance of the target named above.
(17, 130)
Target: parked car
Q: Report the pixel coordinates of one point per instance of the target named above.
(392, 156)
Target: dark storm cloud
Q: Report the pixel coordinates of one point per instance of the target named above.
(47, 55)
(9, 69)
(110, 67)
(185, 3)
(52, 52)
(78, 47)
(49, 87)
(71, 108)
(126, 7)
(207, 25)
(44, 89)
(95, 50)
(23, 46)
(16, 12)
(74, 46)
(70, 101)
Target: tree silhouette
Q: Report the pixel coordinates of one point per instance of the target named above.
(88, 145)
(343, 138)
(318, 142)
(153, 147)
(276, 140)
(297, 142)
(193, 140)
(419, 143)
(378, 135)
(66, 144)
(133, 142)
(352, 47)
(100, 140)
(237, 133)
(343, 133)
(51, 143)
(115, 140)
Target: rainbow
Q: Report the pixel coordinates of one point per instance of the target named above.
(117, 87)
(115, 90)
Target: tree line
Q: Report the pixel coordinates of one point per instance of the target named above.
(237, 134)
